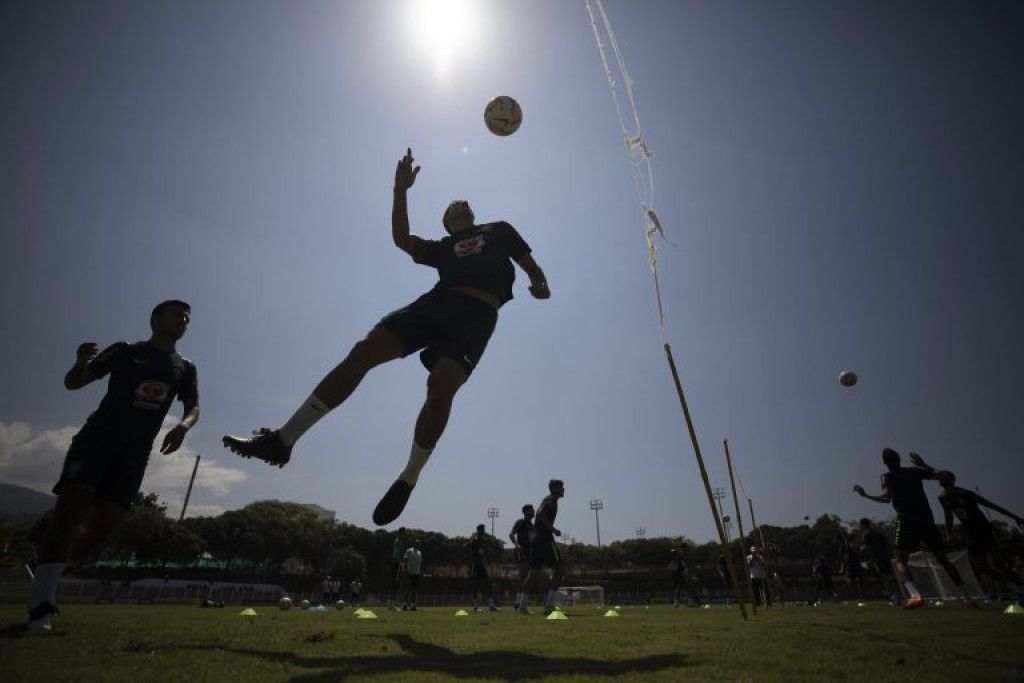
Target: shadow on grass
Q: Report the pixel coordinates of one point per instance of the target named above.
(506, 665)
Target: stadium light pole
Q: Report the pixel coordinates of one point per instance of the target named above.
(718, 494)
(597, 505)
(493, 514)
(641, 532)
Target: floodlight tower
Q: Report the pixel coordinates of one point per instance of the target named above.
(493, 514)
(718, 494)
(597, 505)
(641, 531)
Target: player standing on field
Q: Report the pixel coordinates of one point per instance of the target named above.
(915, 524)
(413, 564)
(107, 459)
(878, 547)
(543, 551)
(451, 323)
(520, 537)
(478, 546)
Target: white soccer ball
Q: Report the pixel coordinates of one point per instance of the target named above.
(284, 603)
(503, 115)
(340, 604)
(305, 604)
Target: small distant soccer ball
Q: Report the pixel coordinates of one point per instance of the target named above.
(340, 605)
(503, 115)
(284, 603)
(847, 378)
(305, 604)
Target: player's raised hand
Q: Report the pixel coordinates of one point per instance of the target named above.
(86, 352)
(173, 440)
(857, 488)
(405, 172)
(916, 459)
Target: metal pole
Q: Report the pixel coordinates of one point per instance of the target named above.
(596, 505)
(188, 493)
(704, 476)
(739, 524)
(493, 514)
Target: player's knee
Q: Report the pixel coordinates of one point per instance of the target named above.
(443, 382)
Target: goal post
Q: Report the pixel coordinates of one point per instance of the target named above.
(580, 596)
(934, 583)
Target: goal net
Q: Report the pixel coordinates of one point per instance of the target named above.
(933, 581)
(580, 596)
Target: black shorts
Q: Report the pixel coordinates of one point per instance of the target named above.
(544, 553)
(478, 570)
(981, 541)
(446, 324)
(396, 576)
(522, 555)
(113, 469)
(912, 531)
(414, 580)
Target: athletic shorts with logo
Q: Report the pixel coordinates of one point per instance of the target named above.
(113, 469)
(913, 530)
(445, 323)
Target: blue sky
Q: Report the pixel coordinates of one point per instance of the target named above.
(841, 182)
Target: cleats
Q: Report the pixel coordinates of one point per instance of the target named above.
(914, 603)
(265, 445)
(392, 504)
(40, 618)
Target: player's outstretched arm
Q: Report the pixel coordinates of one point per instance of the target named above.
(405, 177)
(538, 283)
(884, 497)
(79, 375)
(918, 461)
(176, 436)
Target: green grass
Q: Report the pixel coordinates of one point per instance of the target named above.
(796, 643)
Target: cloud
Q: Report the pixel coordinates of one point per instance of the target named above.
(34, 458)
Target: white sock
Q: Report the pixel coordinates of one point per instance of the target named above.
(44, 585)
(305, 417)
(417, 459)
(911, 589)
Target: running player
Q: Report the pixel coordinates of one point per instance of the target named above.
(881, 555)
(758, 574)
(915, 524)
(520, 537)
(478, 546)
(982, 542)
(543, 551)
(107, 459)
(451, 323)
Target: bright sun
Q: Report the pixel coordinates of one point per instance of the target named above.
(445, 29)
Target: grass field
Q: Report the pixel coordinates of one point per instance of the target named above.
(795, 643)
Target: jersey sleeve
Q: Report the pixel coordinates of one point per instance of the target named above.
(188, 392)
(103, 363)
(514, 242)
(430, 253)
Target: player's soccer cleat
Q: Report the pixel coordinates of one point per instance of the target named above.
(392, 504)
(914, 603)
(265, 445)
(40, 618)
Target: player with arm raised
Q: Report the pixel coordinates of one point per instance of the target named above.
(902, 487)
(543, 551)
(451, 323)
(107, 459)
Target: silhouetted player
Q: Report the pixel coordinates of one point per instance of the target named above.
(543, 551)
(520, 537)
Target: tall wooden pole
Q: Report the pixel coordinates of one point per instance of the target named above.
(739, 523)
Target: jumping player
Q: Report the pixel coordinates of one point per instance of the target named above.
(478, 546)
(543, 551)
(107, 459)
(451, 323)
(915, 524)
(520, 537)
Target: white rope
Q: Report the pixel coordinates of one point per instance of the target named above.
(637, 152)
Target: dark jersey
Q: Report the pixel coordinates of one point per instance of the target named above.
(908, 496)
(964, 504)
(478, 257)
(822, 569)
(144, 381)
(876, 544)
(680, 571)
(521, 531)
(548, 510)
(477, 546)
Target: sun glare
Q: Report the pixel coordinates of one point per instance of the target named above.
(445, 30)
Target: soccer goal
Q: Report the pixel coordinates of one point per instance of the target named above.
(933, 581)
(580, 596)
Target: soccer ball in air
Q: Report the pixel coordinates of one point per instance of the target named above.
(284, 603)
(503, 115)
(847, 378)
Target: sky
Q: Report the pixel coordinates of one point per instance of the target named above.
(841, 184)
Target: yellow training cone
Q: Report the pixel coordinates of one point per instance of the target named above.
(860, 604)
(357, 611)
(557, 615)
(367, 614)
(1014, 609)
(611, 613)
(707, 606)
(247, 612)
(462, 613)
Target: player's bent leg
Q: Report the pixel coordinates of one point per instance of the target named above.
(442, 384)
(104, 517)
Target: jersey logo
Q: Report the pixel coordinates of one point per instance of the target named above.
(470, 247)
(150, 394)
